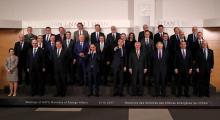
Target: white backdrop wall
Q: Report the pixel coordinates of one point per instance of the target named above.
(128, 15)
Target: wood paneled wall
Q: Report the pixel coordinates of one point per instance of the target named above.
(212, 35)
(7, 39)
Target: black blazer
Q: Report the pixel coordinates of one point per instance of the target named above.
(93, 62)
(137, 64)
(44, 37)
(104, 54)
(58, 37)
(157, 38)
(142, 35)
(111, 42)
(202, 63)
(183, 64)
(21, 53)
(160, 65)
(60, 63)
(70, 49)
(93, 37)
(119, 61)
(36, 63)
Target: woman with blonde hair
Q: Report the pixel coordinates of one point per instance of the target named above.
(12, 72)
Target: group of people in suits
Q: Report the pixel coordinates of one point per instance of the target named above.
(153, 59)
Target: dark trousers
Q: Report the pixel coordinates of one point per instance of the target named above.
(49, 77)
(118, 76)
(104, 72)
(137, 83)
(203, 83)
(37, 82)
(81, 73)
(60, 79)
(182, 83)
(93, 82)
(23, 75)
(159, 85)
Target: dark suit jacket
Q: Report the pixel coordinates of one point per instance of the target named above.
(58, 37)
(70, 49)
(110, 40)
(78, 49)
(141, 35)
(183, 64)
(175, 42)
(104, 54)
(191, 42)
(160, 65)
(93, 37)
(137, 64)
(60, 63)
(93, 62)
(202, 63)
(21, 53)
(119, 61)
(36, 63)
(157, 38)
(44, 37)
(112, 43)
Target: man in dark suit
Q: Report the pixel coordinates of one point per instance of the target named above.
(204, 67)
(36, 67)
(81, 31)
(61, 36)
(60, 65)
(21, 49)
(175, 40)
(81, 50)
(112, 41)
(119, 67)
(167, 48)
(103, 51)
(183, 68)
(68, 44)
(192, 40)
(95, 35)
(160, 61)
(93, 62)
(29, 36)
(46, 37)
(137, 69)
(147, 45)
(159, 36)
(141, 35)
(49, 60)
(195, 75)
(174, 47)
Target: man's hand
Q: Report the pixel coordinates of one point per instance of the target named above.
(124, 69)
(145, 71)
(176, 71)
(74, 61)
(130, 71)
(197, 69)
(190, 71)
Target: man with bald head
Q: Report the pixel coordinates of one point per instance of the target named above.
(137, 68)
(160, 61)
(21, 48)
(81, 50)
(204, 68)
(112, 41)
(142, 33)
